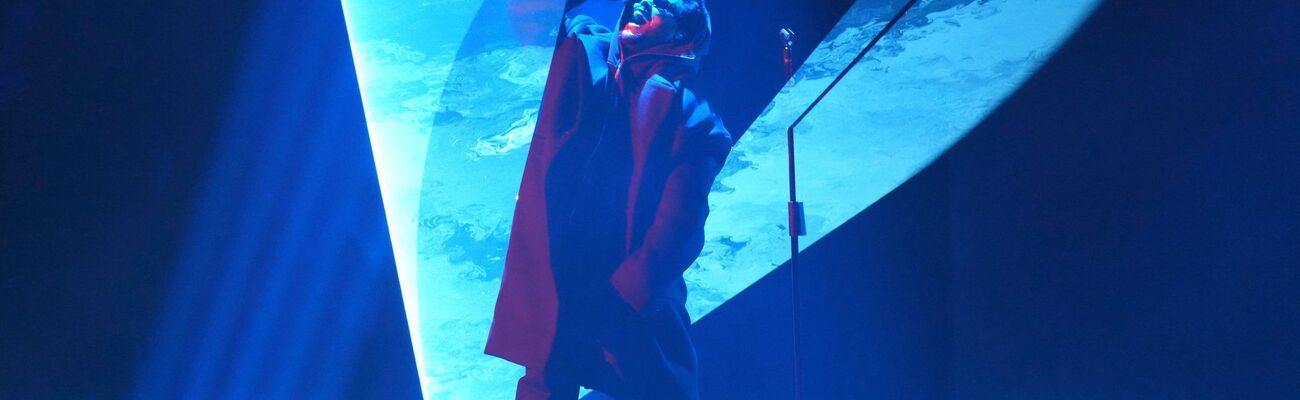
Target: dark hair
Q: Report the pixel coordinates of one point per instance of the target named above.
(693, 21)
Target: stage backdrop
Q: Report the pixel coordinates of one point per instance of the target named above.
(451, 90)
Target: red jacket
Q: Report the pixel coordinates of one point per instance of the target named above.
(614, 195)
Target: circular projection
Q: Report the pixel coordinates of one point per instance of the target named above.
(451, 90)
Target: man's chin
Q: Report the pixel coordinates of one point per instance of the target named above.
(629, 33)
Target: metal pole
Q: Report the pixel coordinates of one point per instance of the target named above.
(796, 226)
(796, 223)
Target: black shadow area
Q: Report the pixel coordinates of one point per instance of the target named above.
(1123, 226)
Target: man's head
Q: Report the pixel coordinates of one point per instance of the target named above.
(673, 22)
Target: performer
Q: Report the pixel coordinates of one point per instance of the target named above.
(611, 211)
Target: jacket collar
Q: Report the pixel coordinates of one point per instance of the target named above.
(673, 62)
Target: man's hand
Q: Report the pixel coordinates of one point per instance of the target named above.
(613, 307)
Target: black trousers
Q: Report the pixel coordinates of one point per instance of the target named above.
(638, 357)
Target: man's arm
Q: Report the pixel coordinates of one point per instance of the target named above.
(582, 24)
(676, 236)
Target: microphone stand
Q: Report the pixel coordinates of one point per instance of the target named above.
(795, 207)
(796, 224)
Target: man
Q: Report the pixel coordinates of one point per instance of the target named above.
(611, 211)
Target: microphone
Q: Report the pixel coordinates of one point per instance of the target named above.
(787, 38)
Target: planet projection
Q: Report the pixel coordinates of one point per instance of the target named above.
(451, 90)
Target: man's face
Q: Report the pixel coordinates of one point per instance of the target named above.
(652, 22)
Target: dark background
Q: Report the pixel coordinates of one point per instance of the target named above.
(1124, 226)
(190, 207)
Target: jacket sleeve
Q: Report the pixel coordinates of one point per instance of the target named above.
(582, 24)
(676, 236)
(578, 63)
